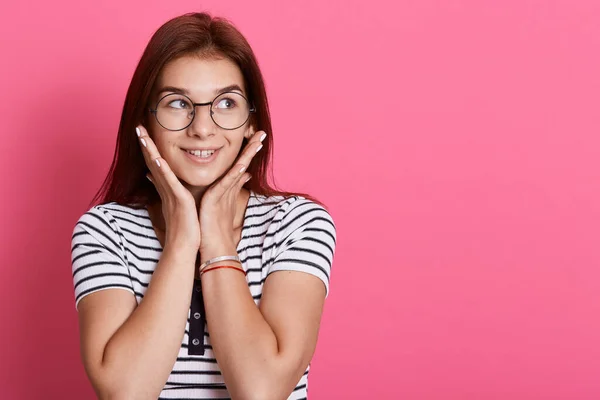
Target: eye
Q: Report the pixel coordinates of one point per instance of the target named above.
(226, 103)
(179, 104)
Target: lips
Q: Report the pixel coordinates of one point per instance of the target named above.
(201, 153)
(201, 156)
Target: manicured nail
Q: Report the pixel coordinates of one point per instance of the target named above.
(264, 135)
(242, 169)
(248, 178)
(259, 147)
(143, 142)
(149, 178)
(157, 162)
(137, 130)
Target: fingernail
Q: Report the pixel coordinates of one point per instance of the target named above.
(149, 178)
(248, 178)
(259, 147)
(242, 170)
(264, 135)
(143, 142)
(137, 130)
(157, 162)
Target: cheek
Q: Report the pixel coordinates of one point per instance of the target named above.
(164, 146)
(236, 149)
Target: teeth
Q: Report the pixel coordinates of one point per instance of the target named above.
(201, 153)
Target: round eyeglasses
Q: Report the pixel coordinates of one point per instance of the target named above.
(229, 110)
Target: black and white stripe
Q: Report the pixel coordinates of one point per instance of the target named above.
(115, 247)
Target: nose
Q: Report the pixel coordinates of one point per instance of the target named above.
(202, 125)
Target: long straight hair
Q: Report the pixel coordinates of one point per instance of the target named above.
(190, 34)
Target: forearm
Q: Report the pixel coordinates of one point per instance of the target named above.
(140, 355)
(243, 342)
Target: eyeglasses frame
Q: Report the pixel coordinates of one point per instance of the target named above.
(155, 110)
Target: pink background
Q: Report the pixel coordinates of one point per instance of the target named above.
(457, 144)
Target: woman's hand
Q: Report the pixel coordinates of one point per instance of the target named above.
(219, 203)
(178, 205)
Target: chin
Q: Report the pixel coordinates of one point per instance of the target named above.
(197, 182)
(201, 177)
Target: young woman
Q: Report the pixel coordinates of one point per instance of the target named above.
(193, 281)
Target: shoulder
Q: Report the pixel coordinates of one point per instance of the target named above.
(300, 212)
(104, 222)
(304, 238)
(98, 253)
(109, 215)
(296, 213)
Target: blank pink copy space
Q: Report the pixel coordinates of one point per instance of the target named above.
(456, 143)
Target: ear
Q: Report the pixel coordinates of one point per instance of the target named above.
(249, 131)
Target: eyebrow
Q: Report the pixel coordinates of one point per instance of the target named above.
(174, 89)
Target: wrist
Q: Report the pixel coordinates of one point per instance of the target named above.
(180, 255)
(213, 252)
(180, 244)
(223, 267)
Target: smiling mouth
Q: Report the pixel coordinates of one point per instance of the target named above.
(202, 156)
(201, 153)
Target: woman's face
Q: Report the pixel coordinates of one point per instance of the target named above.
(200, 79)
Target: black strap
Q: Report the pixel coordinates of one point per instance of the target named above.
(196, 344)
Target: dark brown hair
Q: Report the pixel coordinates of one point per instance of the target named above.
(189, 34)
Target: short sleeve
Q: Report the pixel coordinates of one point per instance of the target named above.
(305, 241)
(97, 255)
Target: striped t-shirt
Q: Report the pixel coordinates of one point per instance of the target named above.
(115, 246)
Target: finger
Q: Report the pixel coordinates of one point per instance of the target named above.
(248, 153)
(161, 174)
(158, 188)
(152, 158)
(258, 136)
(149, 150)
(241, 182)
(252, 148)
(234, 174)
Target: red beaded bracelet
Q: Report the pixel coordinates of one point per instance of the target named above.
(205, 270)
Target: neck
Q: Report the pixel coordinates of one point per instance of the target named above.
(155, 209)
(197, 192)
